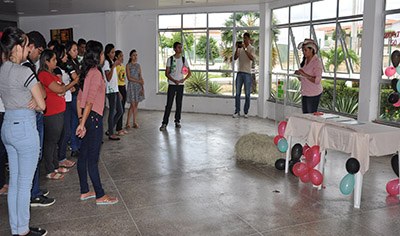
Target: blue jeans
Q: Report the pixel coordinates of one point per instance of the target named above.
(75, 141)
(243, 78)
(66, 133)
(88, 161)
(310, 104)
(35, 192)
(21, 139)
(115, 111)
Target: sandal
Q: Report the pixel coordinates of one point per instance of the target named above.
(121, 133)
(4, 190)
(135, 125)
(55, 176)
(106, 200)
(127, 126)
(67, 163)
(88, 195)
(62, 170)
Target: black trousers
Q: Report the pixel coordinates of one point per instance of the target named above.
(310, 104)
(172, 91)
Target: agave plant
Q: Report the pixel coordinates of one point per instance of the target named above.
(197, 84)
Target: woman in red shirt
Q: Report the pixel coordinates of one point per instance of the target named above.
(91, 99)
(53, 115)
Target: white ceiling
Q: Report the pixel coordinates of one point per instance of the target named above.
(56, 7)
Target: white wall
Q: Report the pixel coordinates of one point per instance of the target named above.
(138, 29)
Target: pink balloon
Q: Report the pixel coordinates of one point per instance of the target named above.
(299, 169)
(282, 128)
(315, 149)
(397, 104)
(308, 155)
(390, 71)
(185, 70)
(315, 159)
(392, 187)
(306, 147)
(305, 178)
(276, 139)
(316, 177)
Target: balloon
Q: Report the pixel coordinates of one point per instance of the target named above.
(390, 71)
(308, 155)
(395, 57)
(395, 164)
(398, 70)
(392, 187)
(316, 177)
(280, 164)
(300, 169)
(397, 86)
(276, 139)
(185, 70)
(305, 148)
(393, 98)
(315, 149)
(315, 159)
(397, 104)
(305, 178)
(352, 165)
(282, 145)
(291, 165)
(347, 184)
(297, 151)
(282, 128)
(393, 84)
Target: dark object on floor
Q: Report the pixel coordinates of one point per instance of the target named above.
(395, 164)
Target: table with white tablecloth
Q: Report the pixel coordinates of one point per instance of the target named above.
(360, 140)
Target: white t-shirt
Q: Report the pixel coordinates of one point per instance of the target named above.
(112, 85)
(176, 69)
(66, 80)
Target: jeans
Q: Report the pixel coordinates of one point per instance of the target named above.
(66, 133)
(122, 90)
(75, 141)
(243, 78)
(35, 192)
(310, 104)
(21, 139)
(88, 161)
(115, 111)
(53, 127)
(172, 90)
(3, 157)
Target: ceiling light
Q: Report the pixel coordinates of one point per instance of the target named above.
(190, 1)
(131, 6)
(20, 13)
(53, 10)
(8, 1)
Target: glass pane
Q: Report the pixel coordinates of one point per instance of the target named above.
(162, 82)
(387, 111)
(280, 16)
(165, 46)
(220, 19)
(352, 32)
(330, 5)
(277, 86)
(195, 20)
(295, 55)
(221, 82)
(280, 47)
(195, 49)
(326, 41)
(391, 38)
(293, 94)
(220, 57)
(169, 21)
(247, 19)
(197, 83)
(351, 8)
(300, 13)
(392, 4)
(346, 96)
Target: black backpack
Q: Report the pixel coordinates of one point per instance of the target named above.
(172, 58)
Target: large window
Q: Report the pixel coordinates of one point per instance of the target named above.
(208, 40)
(336, 26)
(387, 111)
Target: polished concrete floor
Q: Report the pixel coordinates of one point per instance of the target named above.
(187, 182)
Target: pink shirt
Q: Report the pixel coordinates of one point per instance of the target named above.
(94, 91)
(313, 68)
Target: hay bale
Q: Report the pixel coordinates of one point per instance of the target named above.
(258, 148)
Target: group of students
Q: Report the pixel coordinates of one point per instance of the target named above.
(51, 97)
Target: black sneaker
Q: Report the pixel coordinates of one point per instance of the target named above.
(37, 231)
(42, 201)
(44, 191)
(178, 125)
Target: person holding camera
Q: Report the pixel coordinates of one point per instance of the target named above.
(245, 53)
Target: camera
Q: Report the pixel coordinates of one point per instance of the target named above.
(239, 44)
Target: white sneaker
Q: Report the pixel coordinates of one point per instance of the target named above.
(246, 116)
(236, 115)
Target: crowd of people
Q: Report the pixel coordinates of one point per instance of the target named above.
(53, 99)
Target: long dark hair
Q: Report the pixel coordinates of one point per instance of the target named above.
(11, 37)
(91, 59)
(46, 55)
(60, 52)
(130, 55)
(107, 50)
(117, 53)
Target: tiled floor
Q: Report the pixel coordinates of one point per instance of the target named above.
(187, 182)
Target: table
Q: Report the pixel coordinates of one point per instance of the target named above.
(360, 140)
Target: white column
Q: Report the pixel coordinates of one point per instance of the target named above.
(371, 59)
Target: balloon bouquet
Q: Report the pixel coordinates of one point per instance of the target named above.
(392, 187)
(305, 170)
(347, 183)
(282, 144)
